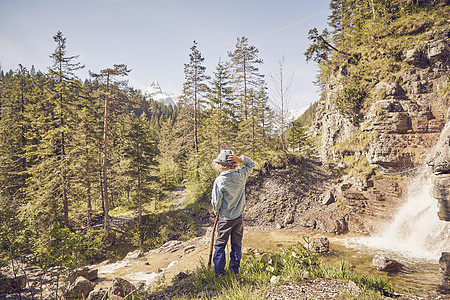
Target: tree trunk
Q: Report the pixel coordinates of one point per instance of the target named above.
(89, 204)
(64, 170)
(105, 162)
(139, 199)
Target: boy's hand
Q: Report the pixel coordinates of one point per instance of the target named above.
(234, 159)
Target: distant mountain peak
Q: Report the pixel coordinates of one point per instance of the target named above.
(154, 91)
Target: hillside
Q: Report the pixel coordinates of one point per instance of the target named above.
(401, 72)
(302, 193)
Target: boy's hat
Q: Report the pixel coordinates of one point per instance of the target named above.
(222, 158)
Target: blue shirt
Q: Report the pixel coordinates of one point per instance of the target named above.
(228, 194)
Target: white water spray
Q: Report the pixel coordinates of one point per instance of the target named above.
(416, 231)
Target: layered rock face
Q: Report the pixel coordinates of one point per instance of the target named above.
(403, 121)
(439, 162)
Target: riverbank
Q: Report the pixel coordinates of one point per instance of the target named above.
(157, 268)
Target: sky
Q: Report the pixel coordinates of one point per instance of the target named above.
(153, 38)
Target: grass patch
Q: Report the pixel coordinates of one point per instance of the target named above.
(293, 265)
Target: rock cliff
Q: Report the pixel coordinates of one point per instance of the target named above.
(402, 120)
(399, 121)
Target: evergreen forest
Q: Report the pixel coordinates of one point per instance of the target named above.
(74, 151)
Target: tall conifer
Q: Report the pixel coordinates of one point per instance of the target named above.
(111, 95)
(62, 72)
(195, 88)
(15, 89)
(245, 72)
(221, 108)
(52, 116)
(140, 151)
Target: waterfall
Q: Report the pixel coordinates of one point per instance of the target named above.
(416, 231)
(416, 228)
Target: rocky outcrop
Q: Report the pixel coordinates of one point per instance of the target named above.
(404, 118)
(325, 222)
(439, 162)
(89, 274)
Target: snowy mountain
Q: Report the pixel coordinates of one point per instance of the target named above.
(291, 116)
(155, 92)
(294, 114)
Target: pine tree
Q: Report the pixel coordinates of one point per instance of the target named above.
(265, 118)
(195, 88)
(111, 95)
(246, 76)
(297, 136)
(87, 149)
(15, 88)
(221, 107)
(52, 117)
(141, 151)
(62, 72)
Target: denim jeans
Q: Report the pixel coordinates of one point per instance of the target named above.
(225, 229)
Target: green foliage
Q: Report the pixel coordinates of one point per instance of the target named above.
(198, 191)
(68, 248)
(320, 49)
(156, 229)
(349, 102)
(16, 239)
(371, 38)
(298, 263)
(245, 73)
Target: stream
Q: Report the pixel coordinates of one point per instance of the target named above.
(420, 276)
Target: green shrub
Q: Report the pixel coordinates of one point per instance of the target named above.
(156, 229)
(349, 102)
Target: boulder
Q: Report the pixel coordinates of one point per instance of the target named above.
(415, 56)
(80, 289)
(328, 198)
(386, 264)
(288, 219)
(89, 274)
(319, 245)
(97, 294)
(121, 287)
